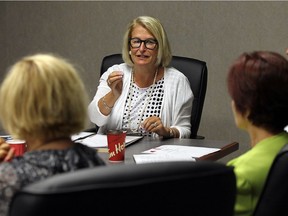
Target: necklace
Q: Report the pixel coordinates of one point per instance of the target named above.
(147, 99)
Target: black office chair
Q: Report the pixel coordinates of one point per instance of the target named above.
(273, 200)
(201, 188)
(197, 73)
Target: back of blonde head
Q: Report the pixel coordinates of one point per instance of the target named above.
(43, 97)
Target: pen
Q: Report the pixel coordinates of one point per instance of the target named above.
(6, 137)
(81, 138)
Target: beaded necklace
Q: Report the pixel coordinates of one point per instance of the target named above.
(147, 99)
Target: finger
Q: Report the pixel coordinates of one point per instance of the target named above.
(151, 123)
(154, 125)
(4, 149)
(148, 121)
(114, 80)
(3, 154)
(2, 140)
(5, 146)
(10, 155)
(146, 124)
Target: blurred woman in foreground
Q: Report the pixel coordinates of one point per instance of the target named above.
(44, 102)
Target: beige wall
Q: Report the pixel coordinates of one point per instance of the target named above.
(85, 31)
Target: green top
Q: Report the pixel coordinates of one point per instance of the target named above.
(251, 170)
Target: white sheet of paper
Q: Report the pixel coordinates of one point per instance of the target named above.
(193, 151)
(95, 141)
(154, 158)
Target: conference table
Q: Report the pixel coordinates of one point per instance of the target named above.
(225, 147)
(146, 143)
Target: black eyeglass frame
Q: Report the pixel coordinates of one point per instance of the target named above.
(145, 42)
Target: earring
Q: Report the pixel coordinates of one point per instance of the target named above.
(130, 52)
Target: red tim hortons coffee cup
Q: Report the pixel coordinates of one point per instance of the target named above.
(116, 145)
(18, 145)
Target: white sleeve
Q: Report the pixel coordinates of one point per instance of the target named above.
(177, 102)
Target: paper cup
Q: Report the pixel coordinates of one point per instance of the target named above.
(116, 145)
(18, 145)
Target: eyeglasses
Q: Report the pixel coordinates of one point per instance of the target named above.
(149, 43)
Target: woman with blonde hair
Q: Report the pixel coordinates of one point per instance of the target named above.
(144, 95)
(44, 102)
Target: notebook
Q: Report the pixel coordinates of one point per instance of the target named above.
(100, 140)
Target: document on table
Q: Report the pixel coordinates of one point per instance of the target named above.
(100, 140)
(172, 153)
(154, 158)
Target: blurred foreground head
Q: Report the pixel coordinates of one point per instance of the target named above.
(42, 97)
(258, 85)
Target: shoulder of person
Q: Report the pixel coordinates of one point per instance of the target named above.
(173, 73)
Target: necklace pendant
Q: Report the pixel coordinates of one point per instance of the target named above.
(133, 127)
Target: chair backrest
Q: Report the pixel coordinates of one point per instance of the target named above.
(201, 188)
(197, 73)
(273, 200)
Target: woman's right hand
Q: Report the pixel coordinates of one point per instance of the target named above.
(115, 82)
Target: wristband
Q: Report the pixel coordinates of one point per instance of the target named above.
(105, 104)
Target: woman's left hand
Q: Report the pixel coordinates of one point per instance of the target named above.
(154, 124)
(6, 152)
